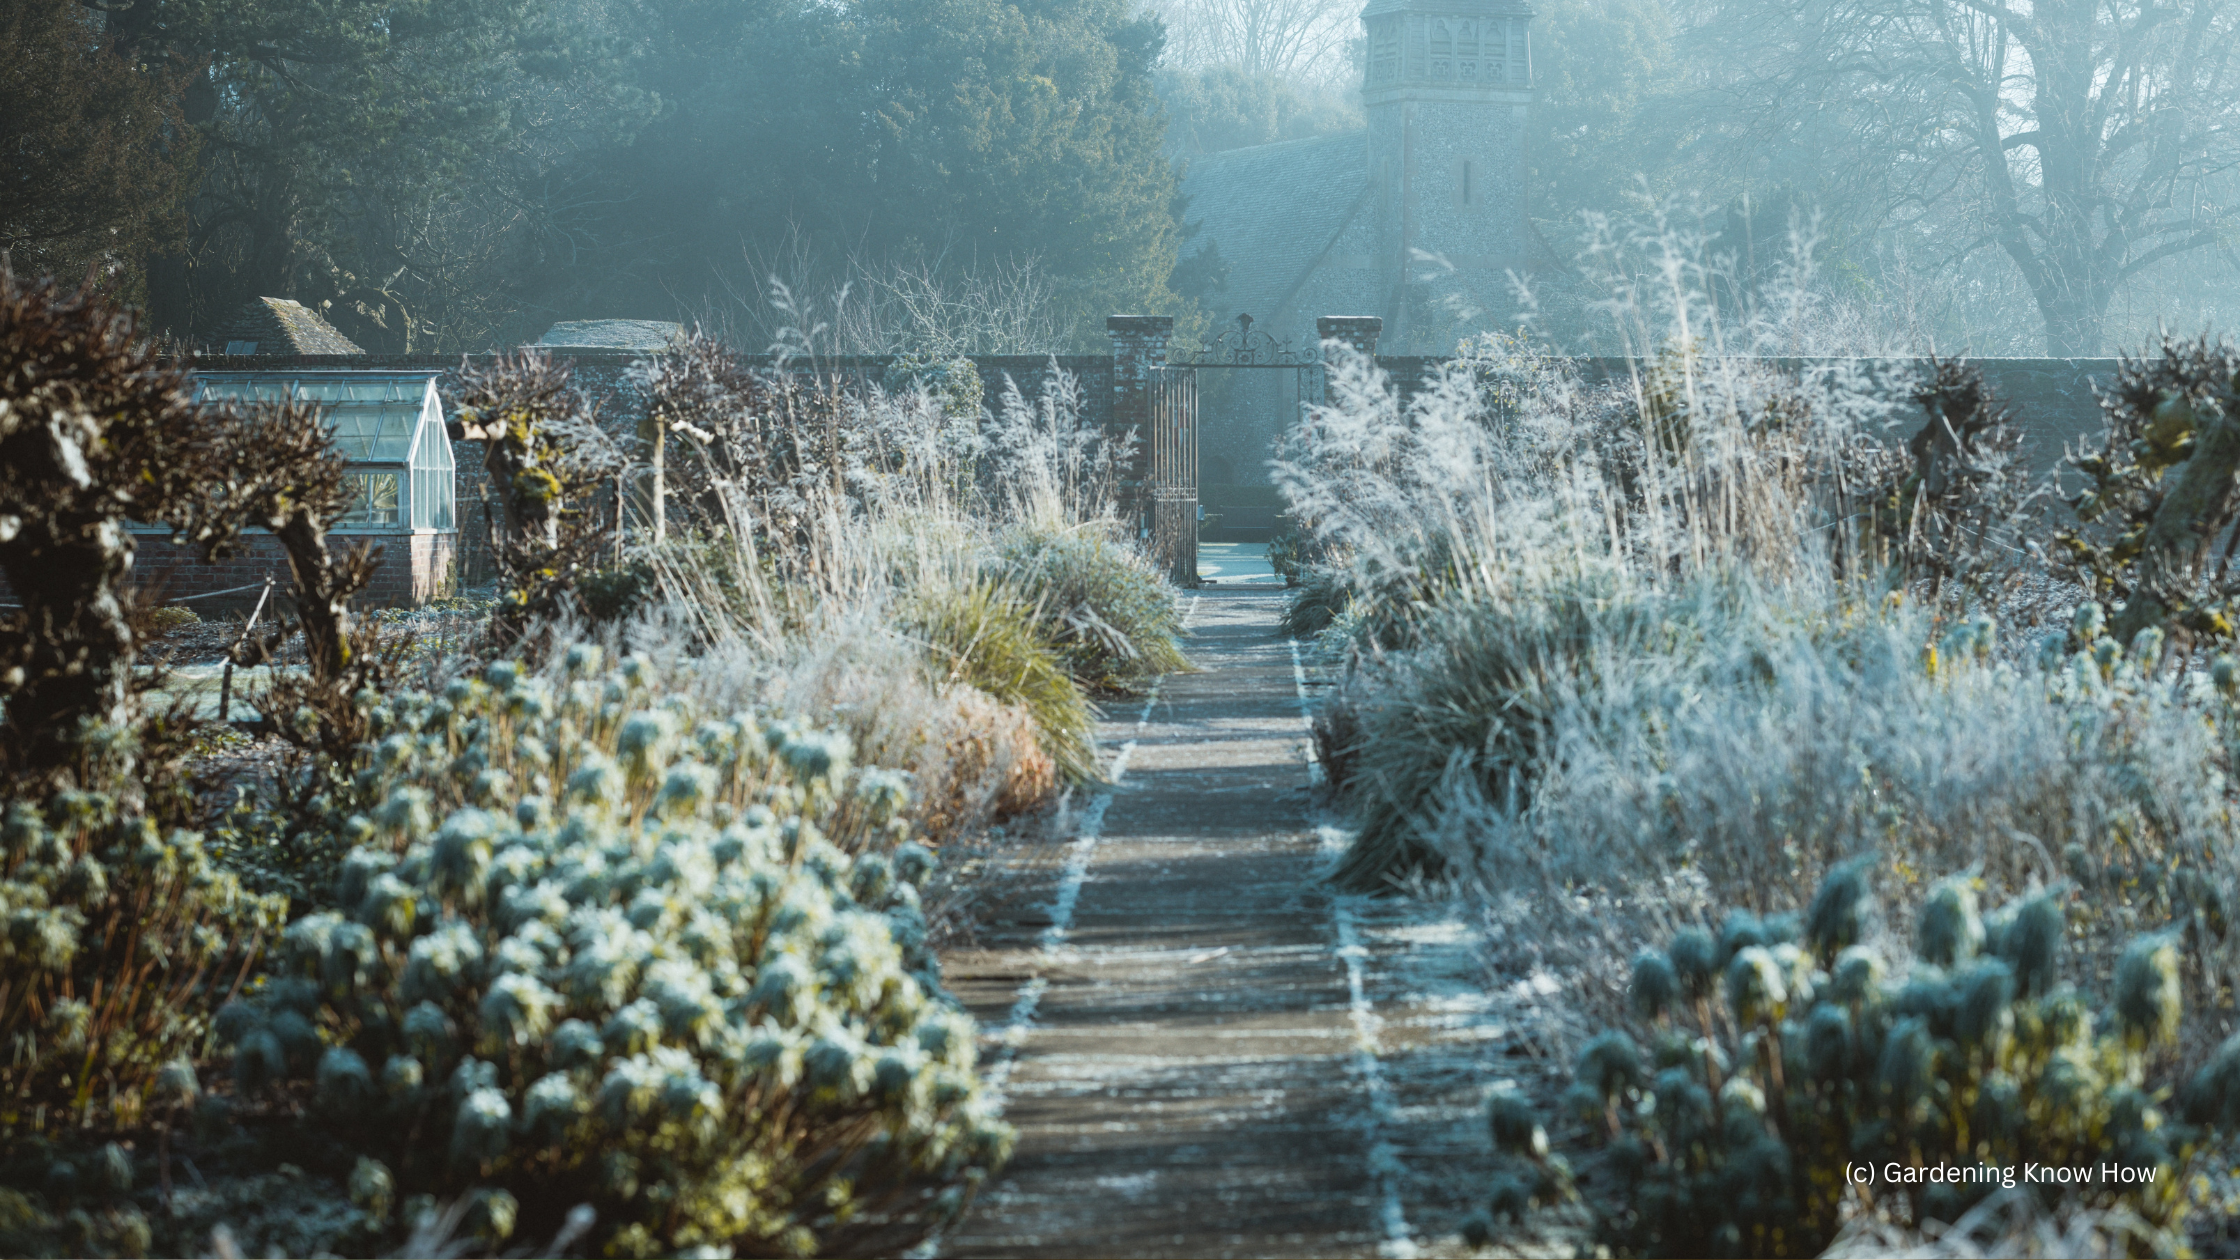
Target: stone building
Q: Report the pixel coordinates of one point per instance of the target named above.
(1418, 219)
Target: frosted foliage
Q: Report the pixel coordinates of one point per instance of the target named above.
(1511, 470)
(1053, 461)
(644, 976)
(1617, 658)
(1741, 752)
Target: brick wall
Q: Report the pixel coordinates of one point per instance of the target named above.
(415, 568)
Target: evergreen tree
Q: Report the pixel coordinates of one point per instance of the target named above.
(95, 158)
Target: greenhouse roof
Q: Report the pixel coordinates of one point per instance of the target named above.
(376, 415)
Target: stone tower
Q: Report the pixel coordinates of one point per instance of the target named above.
(1447, 88)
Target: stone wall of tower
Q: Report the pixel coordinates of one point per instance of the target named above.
(1448, 84)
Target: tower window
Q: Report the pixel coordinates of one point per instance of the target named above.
(1464, 193)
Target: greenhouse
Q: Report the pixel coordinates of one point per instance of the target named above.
(389, 425)
(389, 428)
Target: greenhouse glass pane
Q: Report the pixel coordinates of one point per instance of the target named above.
(432, 449)
(432, 499)
(374, 499)
(355, 433)
(392, 432)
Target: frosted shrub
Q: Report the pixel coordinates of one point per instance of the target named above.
(596, 946)
(1109, 615)
(1720, 746)
(2160, 493)
(116, 938)
(1782, 1056)
(1506, 471)
(953, 383)
(1054, 464)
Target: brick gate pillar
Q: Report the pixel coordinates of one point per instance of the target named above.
(1139, 344)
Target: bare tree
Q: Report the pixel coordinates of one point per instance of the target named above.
(930, 305)
(2086, 140)
(1298, 39)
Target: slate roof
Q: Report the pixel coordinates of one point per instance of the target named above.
(281, 326)
(613, 334)
(1273, 210)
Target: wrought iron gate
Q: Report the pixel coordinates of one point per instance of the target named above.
(1261, 384)
(1173, 525)
(1170, 503)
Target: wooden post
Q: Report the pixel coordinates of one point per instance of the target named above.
(225, 680)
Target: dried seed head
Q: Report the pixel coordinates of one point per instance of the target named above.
(1756, 987)
(112, 1170)
(552, 1105)
(402, 1076)
(2031, 942)
(490, 1219)
(1986, 993)
(2213, 1095)
(912, 863)
(1828, 1043)
(1655, 985)
(1950, 930)
(576, 1044)
(2146, 647)
(1695, 961)
(345, 1083)
(478, 1132)
(373, 1189)
(1515, 1130)
(2147, 992)
(177, 1084)
(1908, 1059)
(68, 1021)
(2087, 623)
(1742, 930)
(1839, 913)
(258, 1061)
(1611, 1063)
(687, 789)
(1740, 1093)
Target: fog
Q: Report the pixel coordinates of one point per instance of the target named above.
(1888, 176)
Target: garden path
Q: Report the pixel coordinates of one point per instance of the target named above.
(1205, 1051)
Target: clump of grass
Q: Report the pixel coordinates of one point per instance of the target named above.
(1111, 618)
(1319, 597)
(1469, 712)
(981, 634)
(163, 621)
(974, 759)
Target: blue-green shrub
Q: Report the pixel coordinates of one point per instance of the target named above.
(596, 947)
(1781, 1058)
(117, 937)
